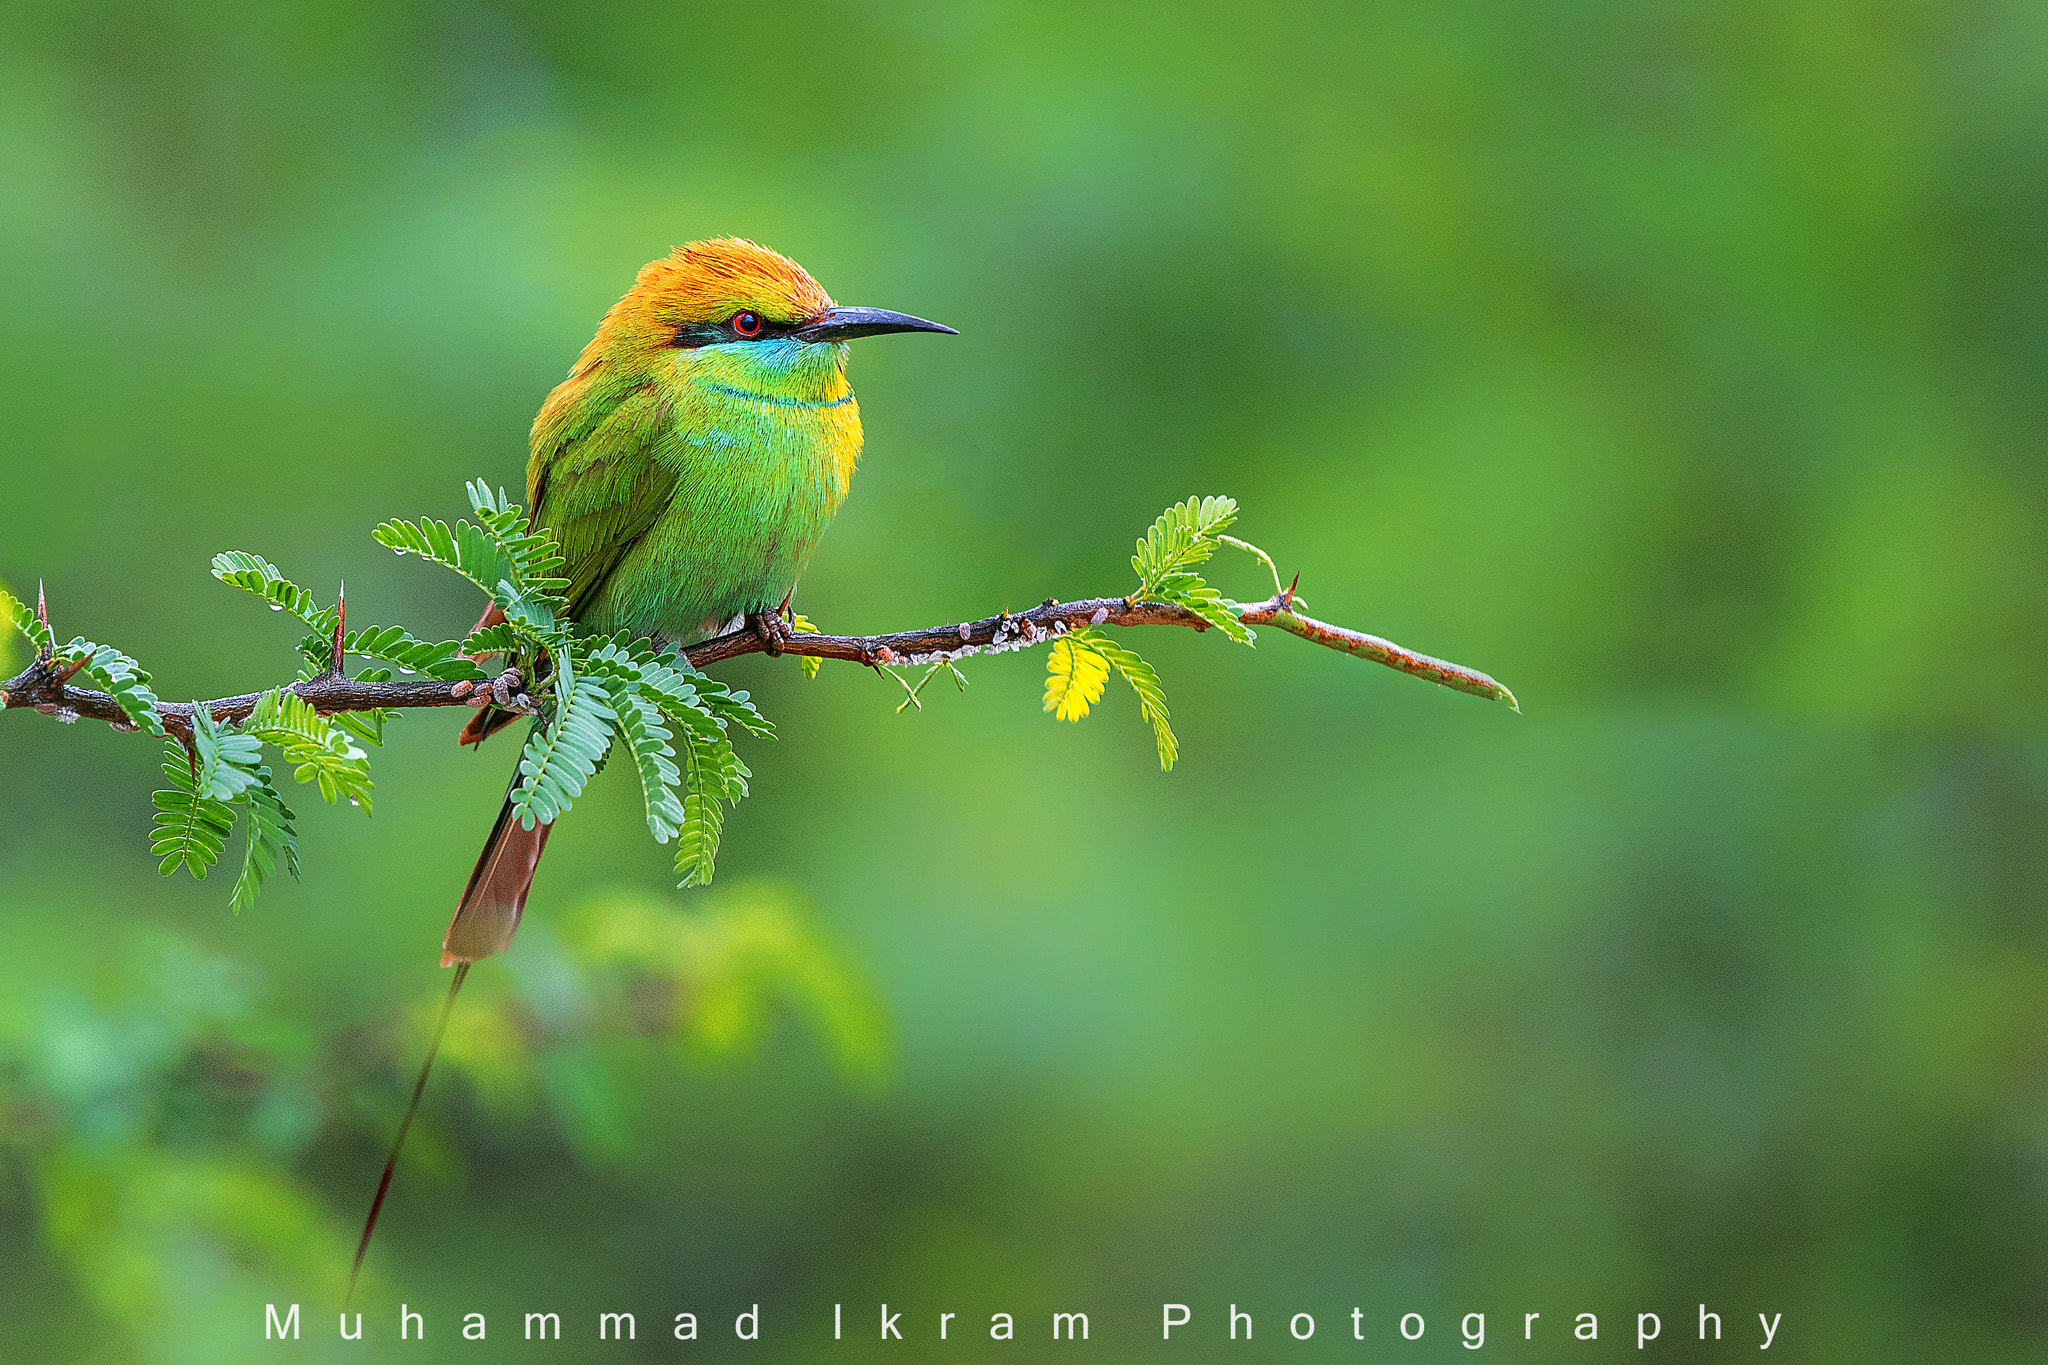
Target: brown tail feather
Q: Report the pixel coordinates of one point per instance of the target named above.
(491, 904)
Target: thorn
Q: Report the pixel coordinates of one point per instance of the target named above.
(1287, 598)
(42, 617)
(334, 662)
(783, 611)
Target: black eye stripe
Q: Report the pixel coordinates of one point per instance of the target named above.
(715, 333)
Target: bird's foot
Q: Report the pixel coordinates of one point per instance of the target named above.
(770, 629)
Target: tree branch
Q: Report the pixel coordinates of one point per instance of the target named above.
(49, 691)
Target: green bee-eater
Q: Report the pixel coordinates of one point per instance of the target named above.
(687, 467)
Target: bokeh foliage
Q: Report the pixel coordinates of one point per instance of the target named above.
(1681, 365)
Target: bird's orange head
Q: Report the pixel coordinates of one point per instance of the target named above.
(705, 287)
(729, 291)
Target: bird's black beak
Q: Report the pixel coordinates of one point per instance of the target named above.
(844, 324)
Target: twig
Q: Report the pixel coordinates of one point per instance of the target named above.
(1360, 645)
(41, 687)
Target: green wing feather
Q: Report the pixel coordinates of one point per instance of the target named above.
(597, 486)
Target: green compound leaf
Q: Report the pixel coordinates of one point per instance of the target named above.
(670, 677)
(735, 774)
(677, 688)
(191, 830)
(702, 708)
(1205, 602)
(1144, 682)
(320, 750)
(269, 837)
(563, 755)
(518, 567)
(913, 692)
(1182, 537)
(465, 549)
(240, 569)
(106, 667)
(498, 639)
(640, 722)
(728, 705)
(226, 761)
(1185, 535)
(703, 811)
(118, 676)
(717, 765)
(535, 558)
(367, 726)
(715, 776)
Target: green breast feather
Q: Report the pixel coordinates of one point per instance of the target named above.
(680, 506)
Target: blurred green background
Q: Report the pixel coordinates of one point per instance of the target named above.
(1680, 364)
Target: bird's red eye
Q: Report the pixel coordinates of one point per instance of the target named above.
(746, 324)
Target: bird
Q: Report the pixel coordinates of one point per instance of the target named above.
(687, 467)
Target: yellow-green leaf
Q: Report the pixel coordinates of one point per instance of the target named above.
(802, 624)
(1074, 677)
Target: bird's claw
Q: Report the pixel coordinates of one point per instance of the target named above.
(770, 629)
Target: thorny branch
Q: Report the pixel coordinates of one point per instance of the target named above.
(48, 689)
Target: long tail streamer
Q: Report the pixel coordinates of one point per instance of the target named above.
(419, 1088)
